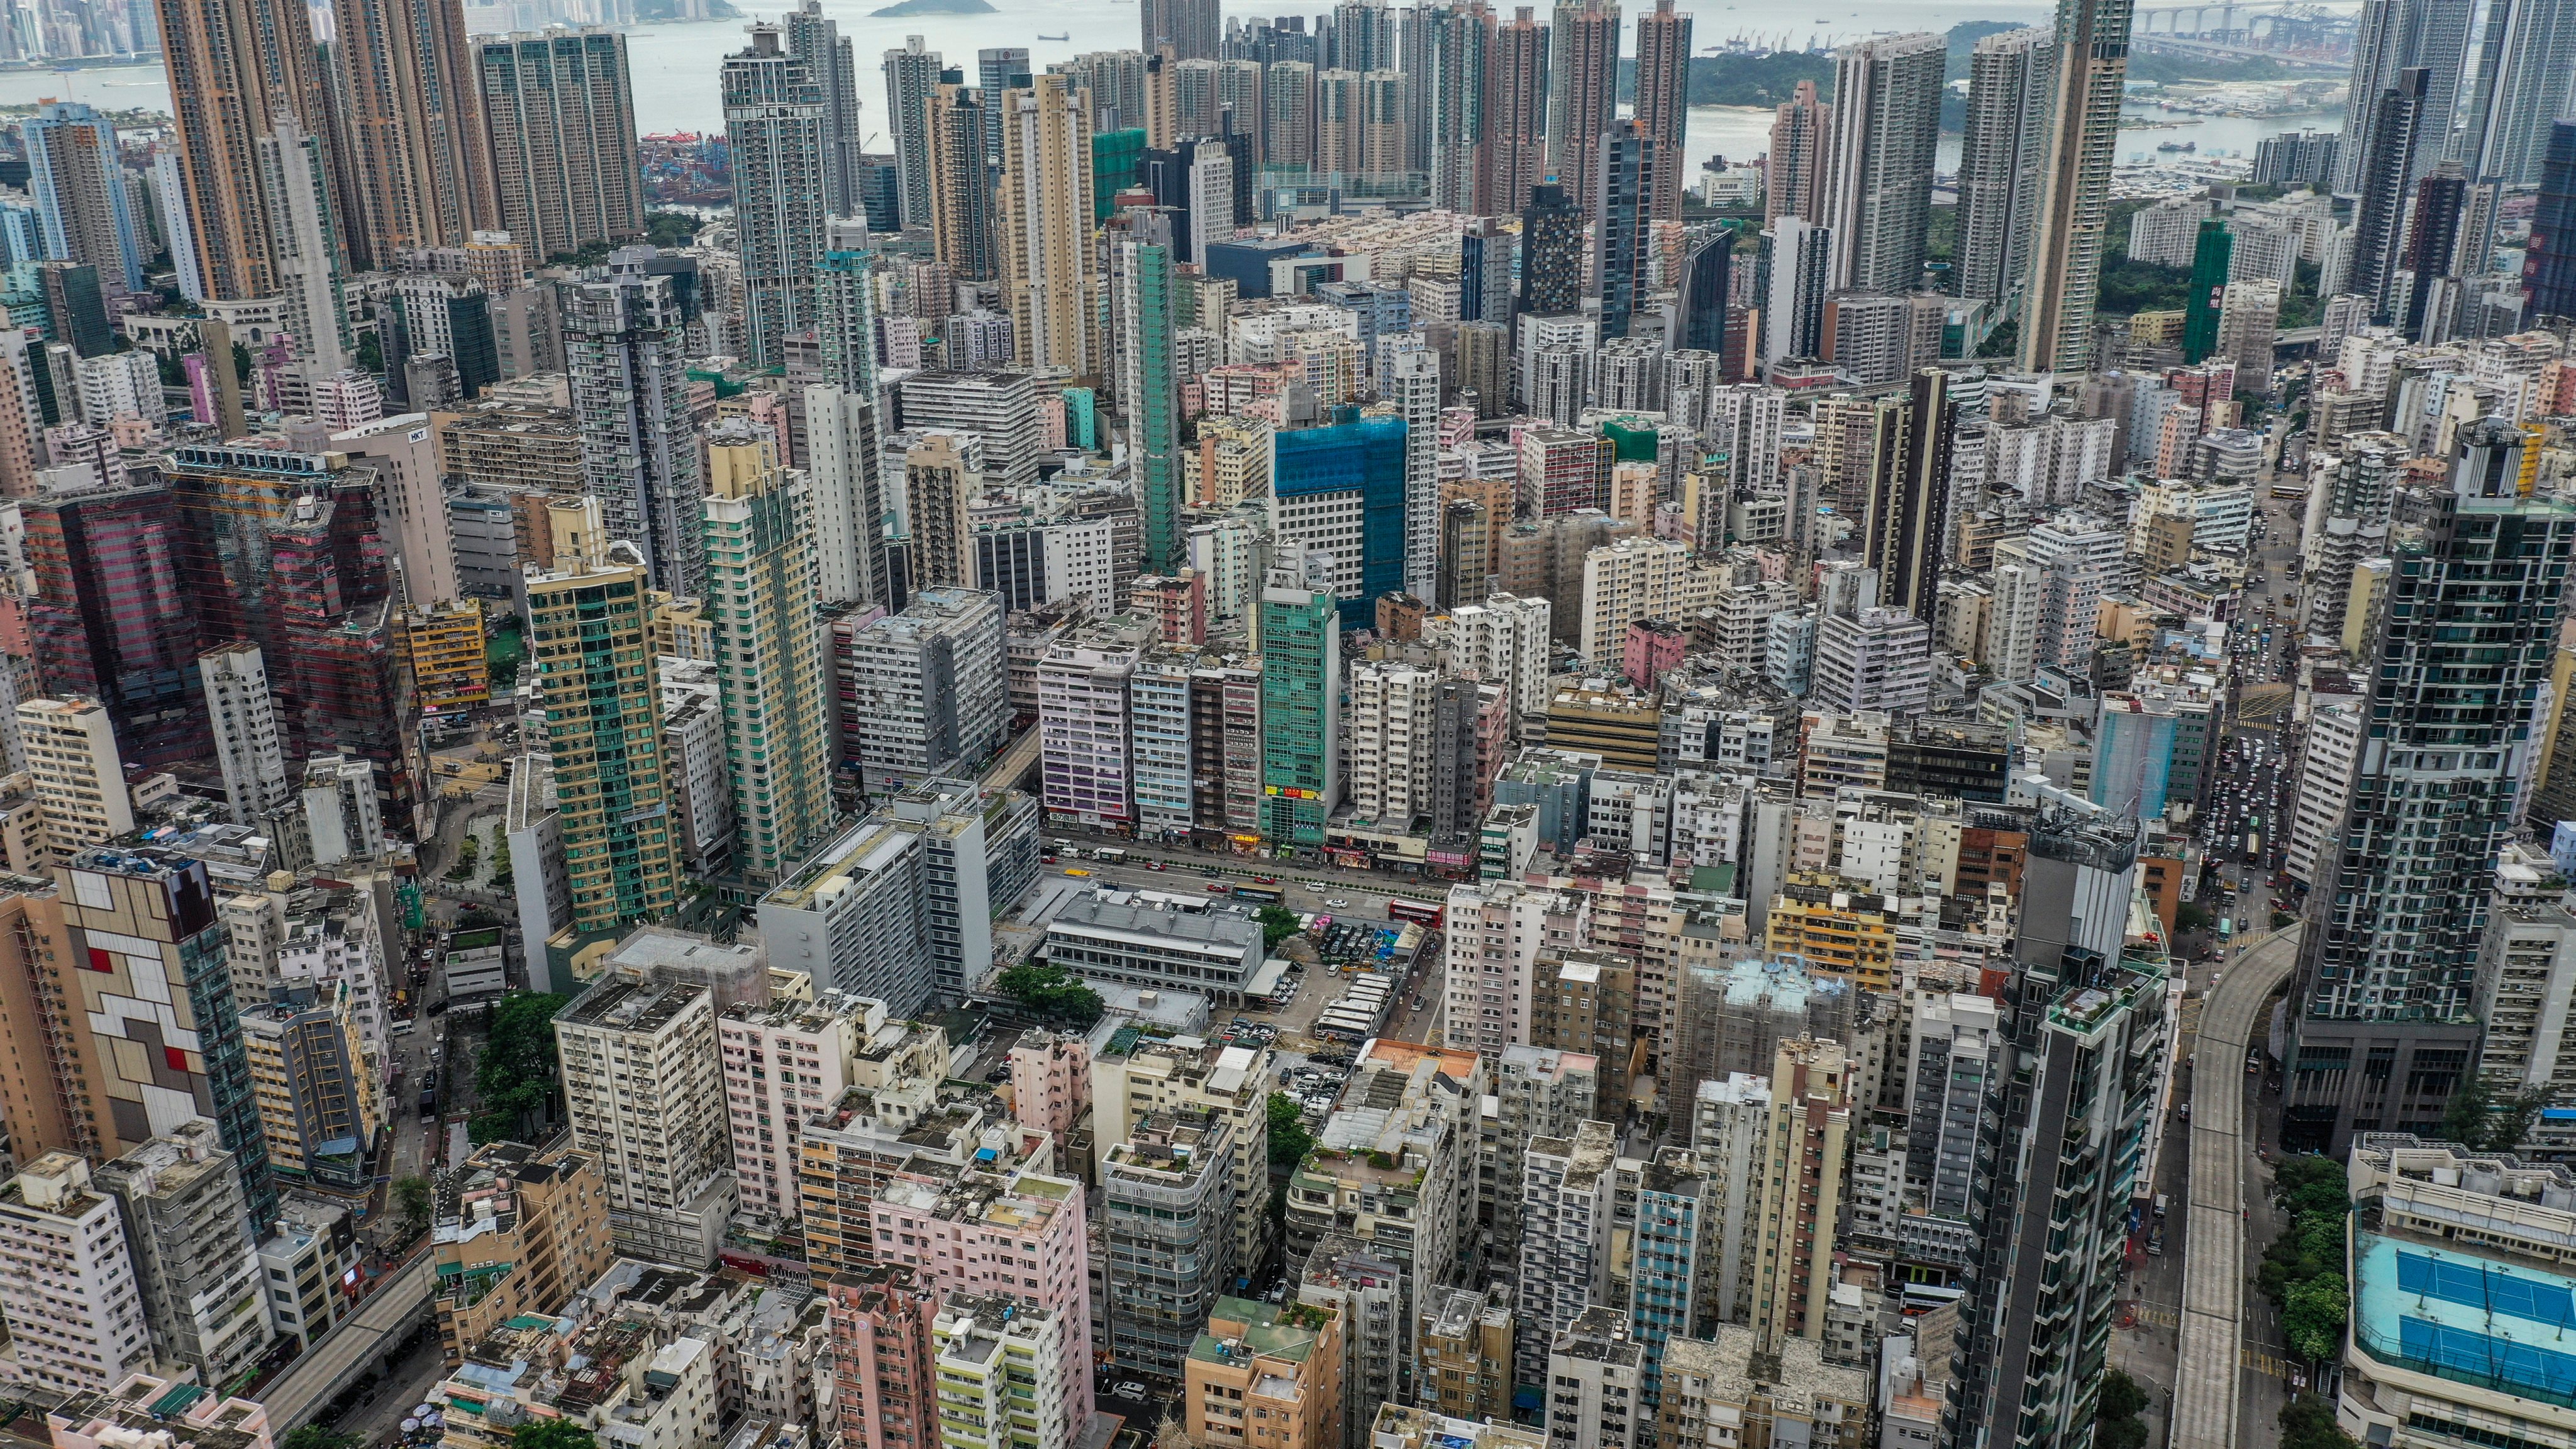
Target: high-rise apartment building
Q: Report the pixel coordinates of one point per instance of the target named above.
(320, 1096)
(82, 210)
(233, 67)
(923, 692)
(1595, 1376)
(1565, 1238)
(559, 109)
(769, 654)
(73, 1303)
(832, 60)
(2088, 70)
(1279, 1366)
(307, 232)
(1170, 1193)
(514, 1229)
(125, 637)
(990, 1348)
(1049, 271)
(246, 733)
(784, 1061)
(1878, 190)
(2403, 126)
(589, 638)
(1190, 27)
(196, 1253)
(1516, 112)
(1582, 92)
(644, 1093)
(410, 128)
(961, 181)
(1801, 1188)
(81, 798)
(626, 346)
(2057, 1158)
(2002, 161)
(775, 123)
(2382, 1010)
(1802, 139)
(911, 76)
(2524, 65)
(2396, 36)
(1905, 528)
(1630, 168)
(968, 1222)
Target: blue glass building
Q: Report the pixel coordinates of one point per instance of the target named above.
(1364, 458)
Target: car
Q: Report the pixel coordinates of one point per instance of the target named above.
(1336, 903)
(1265, 880)
(1075, 870)
(1127, 1389)
(1046, 860)
(1153, 865)
(1215, 887)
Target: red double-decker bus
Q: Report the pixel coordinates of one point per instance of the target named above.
(1400, 909)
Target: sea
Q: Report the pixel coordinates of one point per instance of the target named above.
(674, 65)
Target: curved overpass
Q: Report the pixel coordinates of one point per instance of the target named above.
(350, 1348)
(2206, 1396)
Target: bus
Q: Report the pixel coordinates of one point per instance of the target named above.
(1400, 909)
(1260, 895)
(1110, 853)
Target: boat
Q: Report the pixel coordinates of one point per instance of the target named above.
(1067, 36)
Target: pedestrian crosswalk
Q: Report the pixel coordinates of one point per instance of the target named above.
(2160, 1317)
(2263, 1363)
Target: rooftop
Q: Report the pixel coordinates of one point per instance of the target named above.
(2465, 1317)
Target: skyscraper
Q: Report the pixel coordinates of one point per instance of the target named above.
(1301, 739)
(2549, 266)
(961, 183)
(1412, 383)
(560, 112)
(769, 656)
(233, 65)
(1516, 110)
(1663, 100)
(2089, 71)
(2400, 35)
(1050, 277)
(2402, 122)
(1699, 311)
(411, 126)
(1582, 91)
(2211, 252)
(1288, 112)
(1632, 160)
(774, 121)
(999, 68)
(2432, 239)
(79, 189)
(1905, 527)
(845, 310)
(828, 56)
(1147, 389)
(590, 630)
(911, 77)
(304, 238)
(1551, 251)
(1192, 28)
(1878, 191)
(626, 346)
(1801, 139)
(110, 619)
(1797, 262)
(243, 712)
(1457, 95)
(2525, 70)
(2386, 981)
(2000, 162)
(2056, 1158)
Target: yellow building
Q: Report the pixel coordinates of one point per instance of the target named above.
(590, 643)
(1233, 461)
(769, 653)
(517, 1229)
(1620, 727)
(2156, 329)
(1838, 932)
(319, 1099)
(1266, 1376)
(681, 629)
(442, 647)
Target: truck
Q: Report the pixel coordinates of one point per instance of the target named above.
(429, 1101)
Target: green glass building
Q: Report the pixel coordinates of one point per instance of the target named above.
(2210, 255)
(1301, 705)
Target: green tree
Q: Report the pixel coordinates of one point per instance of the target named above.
(1277, 925)
(2119, 1415)
(2193, 916)
(2480, 1117)
(517, 1078)
(241, 364)
(318, 1436)
(371, 353)
(2308, 1422)
(553, 1434)
(1289, 1139)
(670, 228)
(1051, 991)
(411, 1199)
(2314, 1314)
